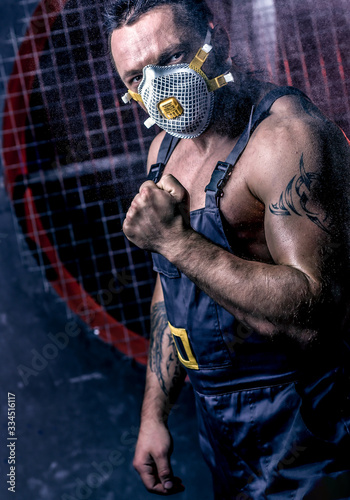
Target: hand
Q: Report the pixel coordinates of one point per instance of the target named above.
(152, 459)
(158, 215)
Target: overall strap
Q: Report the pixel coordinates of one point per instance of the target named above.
(167, 146)
(223, 170)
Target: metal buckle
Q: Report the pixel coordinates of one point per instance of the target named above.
(222, 182)
(155, 172)
(202, 55)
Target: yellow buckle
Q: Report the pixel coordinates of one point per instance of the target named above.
(170, 108)
(216, 83)
(191, 362)
(135, 96)
(201, 55)
(199, 59)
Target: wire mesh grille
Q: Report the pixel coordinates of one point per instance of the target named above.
(296, 42)
(82, 160)
(73, 158)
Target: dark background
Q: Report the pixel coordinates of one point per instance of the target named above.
(73, 411)
(85, 403)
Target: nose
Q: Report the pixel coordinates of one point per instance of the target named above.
(149, 74)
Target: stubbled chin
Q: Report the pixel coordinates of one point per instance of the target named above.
(232, 110)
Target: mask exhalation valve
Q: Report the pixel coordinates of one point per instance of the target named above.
(170, 108)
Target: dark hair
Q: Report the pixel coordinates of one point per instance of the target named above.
(195, 13)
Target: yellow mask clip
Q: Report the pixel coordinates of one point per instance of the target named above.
(197, 63)
(126, 98)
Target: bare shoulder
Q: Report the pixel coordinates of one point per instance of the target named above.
(296, 138)
(154, 149)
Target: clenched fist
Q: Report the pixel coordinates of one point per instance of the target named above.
(158, 215)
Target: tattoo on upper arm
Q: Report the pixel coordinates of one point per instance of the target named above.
(296, 197)
(163, 360)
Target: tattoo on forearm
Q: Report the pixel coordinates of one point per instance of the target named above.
(296, 197)
(163, 360)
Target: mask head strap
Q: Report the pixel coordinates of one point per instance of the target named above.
(126, 98)
(198, 61)
(202, 54)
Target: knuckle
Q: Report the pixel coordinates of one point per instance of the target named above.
(164, 473)
(146, 185)
(161, 453)
(167, 177)
(135, 203)
(146, 191)
(150, 184)
(137, 465)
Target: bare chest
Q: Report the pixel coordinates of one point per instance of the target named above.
(242, 213)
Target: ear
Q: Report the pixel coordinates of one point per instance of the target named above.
(221, 44)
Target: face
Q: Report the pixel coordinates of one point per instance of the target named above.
(153, 39)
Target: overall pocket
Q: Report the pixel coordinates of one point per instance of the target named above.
(163, 266)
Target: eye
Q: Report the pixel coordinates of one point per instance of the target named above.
(175, 57)
(136, 79)
(134, 82)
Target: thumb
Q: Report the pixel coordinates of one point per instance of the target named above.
(165, 472)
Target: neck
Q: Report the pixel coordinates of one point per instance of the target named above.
(210, 141)
(232, 108)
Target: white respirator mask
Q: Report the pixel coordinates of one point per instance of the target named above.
(179, 98)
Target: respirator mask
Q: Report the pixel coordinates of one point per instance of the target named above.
(179, 98)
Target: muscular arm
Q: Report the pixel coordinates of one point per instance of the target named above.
(298, 170)
(165, 374)
(164, 380)
(298, 180)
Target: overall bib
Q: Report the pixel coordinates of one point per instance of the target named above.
(268, 429)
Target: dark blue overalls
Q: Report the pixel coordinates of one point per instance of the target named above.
(270, 428)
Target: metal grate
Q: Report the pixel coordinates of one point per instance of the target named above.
(73, 161)
(74, 157)
(296, 42)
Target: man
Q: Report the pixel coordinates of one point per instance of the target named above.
(246, 212)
